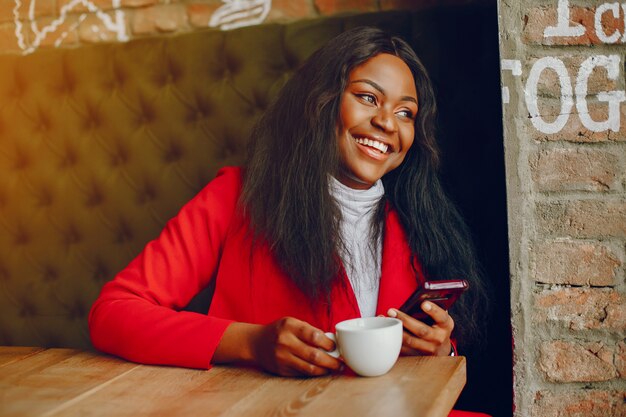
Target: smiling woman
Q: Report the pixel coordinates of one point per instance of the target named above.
(337, 214)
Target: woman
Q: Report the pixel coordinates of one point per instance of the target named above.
(338, 214)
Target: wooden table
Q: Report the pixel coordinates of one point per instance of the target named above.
(67, 382)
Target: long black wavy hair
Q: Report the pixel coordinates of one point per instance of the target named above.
(293, 150)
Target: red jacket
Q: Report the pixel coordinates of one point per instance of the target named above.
(137, 315)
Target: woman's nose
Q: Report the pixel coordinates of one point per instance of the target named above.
(385, 120)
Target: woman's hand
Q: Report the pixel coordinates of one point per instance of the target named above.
(288, 347)
(421, 339)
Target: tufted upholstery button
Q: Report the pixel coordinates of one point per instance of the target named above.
(173, 153)
(95, 196)
(21, 237)
(228, 150)
(145, 113)
(148, 193)
(50, 273)
(198, 112)
(44, 197)
(21, 161)
(119, 76)
(69, 158)
(101, 272)
(43, 122)
(119, 156)
(123, 233)
(71, 236)
(170, 73)
(27, 308)
(92, 117)
(233, 65)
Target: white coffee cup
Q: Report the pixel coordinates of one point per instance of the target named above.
(370, 346)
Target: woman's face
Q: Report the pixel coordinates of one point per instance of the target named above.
(376, 120)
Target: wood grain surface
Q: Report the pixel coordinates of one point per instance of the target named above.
(66, 382)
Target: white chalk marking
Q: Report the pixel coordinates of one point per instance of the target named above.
(613, 98)
(116, 26)
(238, 13)
(567, 97)
(515, 66)
(606, 7)
(563, 27)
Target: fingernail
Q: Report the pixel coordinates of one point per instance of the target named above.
(392, 313)
(427, 306)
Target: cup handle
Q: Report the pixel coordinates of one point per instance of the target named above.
(334, 353)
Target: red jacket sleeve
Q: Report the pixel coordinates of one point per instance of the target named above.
(137, 314)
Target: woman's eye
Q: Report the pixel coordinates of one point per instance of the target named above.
(367, 97)
(405, 113)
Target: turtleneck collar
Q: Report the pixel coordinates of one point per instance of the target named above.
(355, 202)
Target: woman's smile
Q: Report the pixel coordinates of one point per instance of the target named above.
(368, 143)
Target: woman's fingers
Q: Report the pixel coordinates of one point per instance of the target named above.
(438, 314)
(292, 347)
(422, 339)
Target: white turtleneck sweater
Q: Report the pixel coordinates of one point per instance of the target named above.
(361, 261)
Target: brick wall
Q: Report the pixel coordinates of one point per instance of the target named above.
(26, 25)
(563, 79)
(565, 138)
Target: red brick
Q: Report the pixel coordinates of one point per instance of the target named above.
(93, 30)
(579, 403)
(284, 10)
(8, 40)
(581, 308)
(574, 263)
(199, 14)
(582, 218)
(576, 170)
(161, 18)
(539, 18)
(561, 361)
(329, 7)
(574, 130)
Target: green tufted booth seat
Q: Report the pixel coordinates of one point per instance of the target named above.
(101, 145)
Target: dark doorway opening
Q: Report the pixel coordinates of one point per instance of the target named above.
(459, 45)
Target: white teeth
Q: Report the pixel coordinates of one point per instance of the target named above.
(373, 143)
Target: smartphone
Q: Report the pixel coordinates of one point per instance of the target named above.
(443, 293)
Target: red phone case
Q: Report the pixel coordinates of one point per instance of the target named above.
(443, 293)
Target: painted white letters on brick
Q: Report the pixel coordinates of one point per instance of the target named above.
(563, 27)
(530, 93)
(613, 99)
